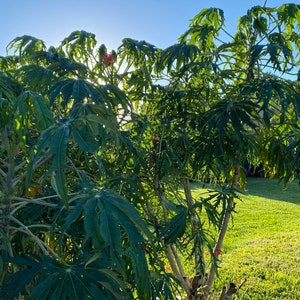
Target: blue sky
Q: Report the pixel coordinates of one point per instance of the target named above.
(159, 22)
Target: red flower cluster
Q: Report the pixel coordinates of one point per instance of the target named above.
(217, 252)
(108, 58)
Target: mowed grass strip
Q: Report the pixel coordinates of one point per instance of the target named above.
(262, 245)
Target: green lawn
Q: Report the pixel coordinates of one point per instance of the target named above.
(263, 242)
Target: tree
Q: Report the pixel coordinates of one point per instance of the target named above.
(96, 147)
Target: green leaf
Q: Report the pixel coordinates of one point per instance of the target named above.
(127, 213)
(53, 143)
(116, 96)
(141, 273)
(74, 213)
(140, 53)
(26, 45)
(36, 76)
(84, 138)
(76, 89)
(59, 146)
(177, 56)
(42, 111)
(19, 280)
(91, 213)
(55, 280)
(260, 24)
(79, 44)
(111, 233)
(256, 52)
(176, 227)
(204, 27)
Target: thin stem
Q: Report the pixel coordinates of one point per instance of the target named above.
(175, 269)
(225, 31)
(178, 261)
(4, 162)
(224, 227)
(35, 201)
(44, 247)
(3, 173)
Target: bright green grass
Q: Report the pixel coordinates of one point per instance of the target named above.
(262, 244)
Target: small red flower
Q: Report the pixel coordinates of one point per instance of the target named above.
(217, 252)
(155, 138)
(108, 58)
(183, 239)
(206, 253)
(168, 268)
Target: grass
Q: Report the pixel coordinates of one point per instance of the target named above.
(262, 245)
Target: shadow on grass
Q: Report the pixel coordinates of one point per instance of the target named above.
(273, 189)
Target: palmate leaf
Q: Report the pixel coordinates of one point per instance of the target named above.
(256, 51)
(162, 286)
(84, 139)
(9, 88)
(273, 93)
(111, 232)
(15, 283)
(290, 15)
(177, 56)
(94, 126)
(60, 280)
(141, 274)
(76, 89)
(213, 16)
(113, 209)
(176, 227)
(36, 76)
(57, 64)
(92, 223)
(105, 214)
(260, 24)
(113, 226)
(30, 105)
(204, 27)
(79, 44)
(53, 143)
(59, 146)
(140, 52)
(139, 262)
(122, 208)
(106, 126)
(26, 45)
(115, 95)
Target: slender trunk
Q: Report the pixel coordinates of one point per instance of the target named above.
(199, 262)
(187, 191)
(178, 261)
(223, 230)
(6, 190)
(7, 176)
(170, 250)
(189, 199)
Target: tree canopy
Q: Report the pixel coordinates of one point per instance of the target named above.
(98, 149)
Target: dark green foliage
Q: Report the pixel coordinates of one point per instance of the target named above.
(46, 278)
(96, 146)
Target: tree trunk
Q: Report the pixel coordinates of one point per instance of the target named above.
(223, 230)
(7, 171)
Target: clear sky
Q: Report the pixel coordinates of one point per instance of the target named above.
(159, 22)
